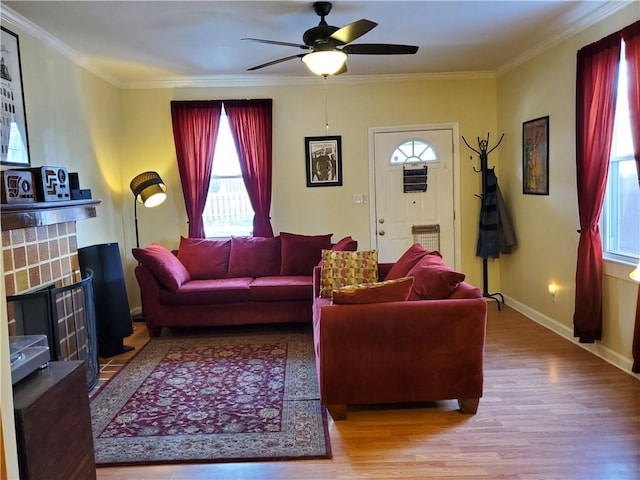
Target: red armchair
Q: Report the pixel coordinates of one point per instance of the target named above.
(408, 351)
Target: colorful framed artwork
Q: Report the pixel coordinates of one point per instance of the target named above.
(535, 156)
(323, 161)
(14, 143)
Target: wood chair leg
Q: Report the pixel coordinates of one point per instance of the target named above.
(468, 405)
(337, 411)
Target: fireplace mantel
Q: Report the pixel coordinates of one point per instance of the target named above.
(24, 215)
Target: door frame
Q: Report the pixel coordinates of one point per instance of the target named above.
(455, 129)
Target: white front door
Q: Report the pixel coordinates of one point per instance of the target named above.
(404, 209)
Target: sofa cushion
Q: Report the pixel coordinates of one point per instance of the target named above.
(433, 279)
(254, 256)
(396, 290)
(205, 292)
(300, 253)
(408, 260)
(346, 244)
(205, 259)
(163, 264)
(340, 269)
(281, 287)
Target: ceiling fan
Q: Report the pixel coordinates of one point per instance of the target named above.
(328, 45)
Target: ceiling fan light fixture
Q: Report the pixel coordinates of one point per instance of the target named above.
(325, 62)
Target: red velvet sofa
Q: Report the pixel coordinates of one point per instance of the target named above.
(243, 280)
(411, 350)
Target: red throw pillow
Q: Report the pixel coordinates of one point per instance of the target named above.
(346, 244)
(408, 260)
(205, 259)
(300, 253)
(433, 279)
(397, 290)
(254, 257)
(163, 264)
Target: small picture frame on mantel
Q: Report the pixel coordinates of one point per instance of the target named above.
(14, 141)
(535, 156)
(323, 161)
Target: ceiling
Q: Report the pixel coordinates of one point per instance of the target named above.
(137, 42)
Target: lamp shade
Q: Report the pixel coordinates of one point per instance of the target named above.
(325, 62)
(149, 189)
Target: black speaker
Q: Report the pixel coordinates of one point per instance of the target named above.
(112, 307)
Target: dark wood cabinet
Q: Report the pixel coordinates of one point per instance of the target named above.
(53, 424)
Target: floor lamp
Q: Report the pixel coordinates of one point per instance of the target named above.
(148, 189)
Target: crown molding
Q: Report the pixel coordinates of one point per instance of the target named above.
(30, 28)
(250, 80)
(587, 21)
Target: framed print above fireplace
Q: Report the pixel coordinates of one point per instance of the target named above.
(14, 142)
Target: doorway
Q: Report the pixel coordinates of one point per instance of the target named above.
(414, 190)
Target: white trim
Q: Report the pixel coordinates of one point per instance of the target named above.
(594, 17)
(623, 363)
(619, 270)
(256, 80)
(455, 131)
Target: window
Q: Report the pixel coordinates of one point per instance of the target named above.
(414, 151)
(228, 209)
(620, 224)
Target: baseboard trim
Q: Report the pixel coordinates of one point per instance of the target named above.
(623, 363)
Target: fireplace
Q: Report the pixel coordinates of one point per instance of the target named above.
(40, 259)
(66, 315)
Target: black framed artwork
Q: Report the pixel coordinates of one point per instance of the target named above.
(14, 143)
(323, 160)
(535, 156)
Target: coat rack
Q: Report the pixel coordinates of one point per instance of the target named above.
(484, 152)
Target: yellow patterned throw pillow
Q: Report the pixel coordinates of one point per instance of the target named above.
(340, 269)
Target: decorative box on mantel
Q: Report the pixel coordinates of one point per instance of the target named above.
(39, 243)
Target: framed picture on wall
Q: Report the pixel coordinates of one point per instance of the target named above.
(535, 156)
(14, 143)
(323, 161)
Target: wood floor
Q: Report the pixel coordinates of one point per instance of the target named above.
(550, 410)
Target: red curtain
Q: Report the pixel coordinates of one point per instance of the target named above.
(251, 127)
(195, 127)
(597, 79)
(631, 36)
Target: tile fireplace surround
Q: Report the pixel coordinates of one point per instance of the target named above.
(39, 245)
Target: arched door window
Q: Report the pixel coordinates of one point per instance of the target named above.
(414, 151)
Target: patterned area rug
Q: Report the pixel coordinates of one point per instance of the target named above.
(213, 399)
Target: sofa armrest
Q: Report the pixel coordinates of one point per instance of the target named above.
(149, 293)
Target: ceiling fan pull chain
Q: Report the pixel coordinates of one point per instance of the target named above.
(326, 110)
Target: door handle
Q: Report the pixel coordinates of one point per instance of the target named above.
(381, 220)
(381, 233)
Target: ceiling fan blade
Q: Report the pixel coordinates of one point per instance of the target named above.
(379, 49)
(274, 42)
(275, 62)
(349, 33)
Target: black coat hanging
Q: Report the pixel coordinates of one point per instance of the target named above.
(495, 232)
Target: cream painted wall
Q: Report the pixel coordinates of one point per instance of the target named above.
(298, 111)
(547, 225)
(74, 121)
